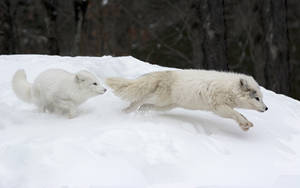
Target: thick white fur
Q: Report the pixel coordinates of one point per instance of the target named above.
(56, 90)
(219, 92)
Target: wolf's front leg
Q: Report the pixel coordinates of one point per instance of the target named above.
(228, 112)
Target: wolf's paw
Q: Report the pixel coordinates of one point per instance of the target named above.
(126, 110)
(245, 126)
(72, 114)
(145, 108)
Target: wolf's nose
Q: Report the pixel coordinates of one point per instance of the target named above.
(104, 90)
(266, 108)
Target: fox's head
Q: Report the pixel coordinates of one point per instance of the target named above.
(251, 96)
(89, 84)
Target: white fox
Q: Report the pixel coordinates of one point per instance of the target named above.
(56, 90)
(219, 92)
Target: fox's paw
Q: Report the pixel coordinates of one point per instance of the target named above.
(245, 126)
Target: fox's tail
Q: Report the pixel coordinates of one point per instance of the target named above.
(131, 90)
(21, 86)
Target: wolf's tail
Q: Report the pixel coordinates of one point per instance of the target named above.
(21, 86)
(131, 90)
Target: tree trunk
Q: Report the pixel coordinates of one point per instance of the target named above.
(7, 41)
(277, 53)
(212, 27)
(196, 36)
(80, 7)
(51, 25)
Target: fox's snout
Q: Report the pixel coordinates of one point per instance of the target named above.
(102, 91)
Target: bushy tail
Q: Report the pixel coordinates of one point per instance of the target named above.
(21, 86)
(131, 90)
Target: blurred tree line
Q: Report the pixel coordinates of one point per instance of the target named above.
(257, 37)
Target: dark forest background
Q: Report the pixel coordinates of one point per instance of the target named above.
(257, 37)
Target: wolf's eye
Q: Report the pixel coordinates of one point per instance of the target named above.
(95, 83)
(257, 98)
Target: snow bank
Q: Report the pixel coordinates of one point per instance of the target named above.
(104, 147)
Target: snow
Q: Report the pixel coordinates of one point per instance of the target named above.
(104, 147)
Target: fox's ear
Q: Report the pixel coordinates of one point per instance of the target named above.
(244, 84)
(79, 78)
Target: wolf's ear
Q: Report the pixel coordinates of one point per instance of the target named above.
(244, 84)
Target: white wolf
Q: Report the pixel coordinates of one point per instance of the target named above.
(219, 92)
(56, 90)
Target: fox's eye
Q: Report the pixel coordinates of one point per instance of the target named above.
(257, 98)
(95, 84)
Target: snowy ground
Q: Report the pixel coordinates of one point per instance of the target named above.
(104, 147)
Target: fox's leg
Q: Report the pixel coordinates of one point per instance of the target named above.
(50, 108)
(67, 106)
(133, 106)
(147, 107)
(228, 112)
(46, 107)
(40, 104)
(41, 108)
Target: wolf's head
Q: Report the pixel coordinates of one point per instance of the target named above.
(251, 96)
(89, 84)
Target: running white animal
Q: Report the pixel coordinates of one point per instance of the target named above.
(56, 90)
(219, 92)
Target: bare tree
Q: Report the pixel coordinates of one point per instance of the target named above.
(51, 25)
(262, 33)
(277, 56)
(7, 40)
(80, 7)
(211, 33)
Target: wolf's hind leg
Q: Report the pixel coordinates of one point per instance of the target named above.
(133, 106)
(228, 112)
(148, 107)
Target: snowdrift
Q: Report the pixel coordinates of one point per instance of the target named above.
(104, 147)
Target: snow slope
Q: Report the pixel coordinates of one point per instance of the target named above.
(104, 147)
